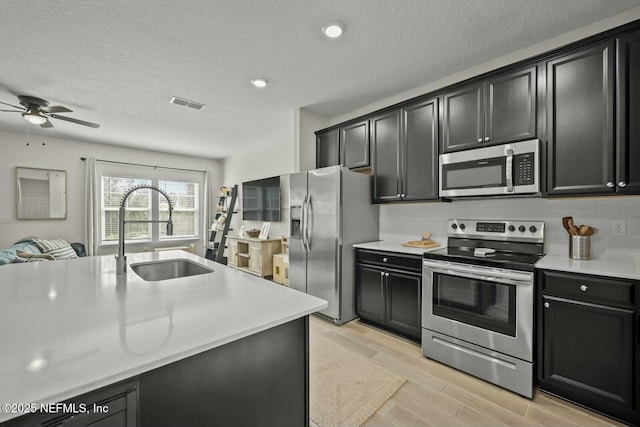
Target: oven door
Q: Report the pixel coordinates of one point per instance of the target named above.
(489, 307)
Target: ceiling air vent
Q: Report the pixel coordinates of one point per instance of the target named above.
(187, 103)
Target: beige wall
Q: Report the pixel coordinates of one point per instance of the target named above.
(65, 154)
(274, 158)
(306, 124)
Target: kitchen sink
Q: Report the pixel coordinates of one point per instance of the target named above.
(169, 269)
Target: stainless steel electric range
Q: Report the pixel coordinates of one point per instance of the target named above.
(477, 299)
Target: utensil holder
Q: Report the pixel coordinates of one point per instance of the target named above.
(580, 247)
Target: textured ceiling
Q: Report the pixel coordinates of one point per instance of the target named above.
(119, 62)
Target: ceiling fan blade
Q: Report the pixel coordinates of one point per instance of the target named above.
(14, 106)
(80, 122)
(47, 124)
(56, 109)
(12, 111)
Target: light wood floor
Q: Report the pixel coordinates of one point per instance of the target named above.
(437, 395)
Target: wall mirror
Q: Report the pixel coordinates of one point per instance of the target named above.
(41, 193)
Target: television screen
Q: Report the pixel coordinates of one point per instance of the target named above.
(261, 200)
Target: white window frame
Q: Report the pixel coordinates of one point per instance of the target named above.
(155, 175)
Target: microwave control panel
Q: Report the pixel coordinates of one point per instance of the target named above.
(523, 169)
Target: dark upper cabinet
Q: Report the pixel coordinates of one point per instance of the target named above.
(462, 118)
(420, 151)
(354, 145)
(586, 341)
(511, 107)
(328, 149)
(386, 149)
(347, 146)
(580, 95)
(404, 144)
(628, 113)
(497, 110)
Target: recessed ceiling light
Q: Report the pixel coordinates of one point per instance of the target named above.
(259, 82)
(332, 30)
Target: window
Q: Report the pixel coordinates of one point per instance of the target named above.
(184, 196)
(145, 204)
(138, 208)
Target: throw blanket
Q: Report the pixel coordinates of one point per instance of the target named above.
(25, 249)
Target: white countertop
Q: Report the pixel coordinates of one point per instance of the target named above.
(394, 246)
(71, 326)
(625, 266)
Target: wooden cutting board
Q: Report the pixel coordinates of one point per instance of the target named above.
(422, 244)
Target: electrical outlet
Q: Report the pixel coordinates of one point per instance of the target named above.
(619, 228)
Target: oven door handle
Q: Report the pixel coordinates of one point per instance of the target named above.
(475, 273)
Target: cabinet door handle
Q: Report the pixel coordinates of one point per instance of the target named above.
(479, 139)
(486, 138)
(386, 274)
(610, 184)
(584, 288)
(402, 195)
(546, 305)
(385, 259)
(381, 273)
(622, 184)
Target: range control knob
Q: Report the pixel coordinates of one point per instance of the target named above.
(533, 229)
(462, 226)
(522, 229)
(512, 228)
(454, 226)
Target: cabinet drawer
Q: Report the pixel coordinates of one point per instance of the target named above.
(599, 290)
(388, 259)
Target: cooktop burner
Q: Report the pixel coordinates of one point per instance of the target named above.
(507, 244)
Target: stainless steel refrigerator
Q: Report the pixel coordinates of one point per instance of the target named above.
(330, 211)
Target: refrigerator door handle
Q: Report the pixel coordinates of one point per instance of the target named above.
(303, 224)
(309, 222)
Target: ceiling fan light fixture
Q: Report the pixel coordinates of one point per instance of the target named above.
(33, 116)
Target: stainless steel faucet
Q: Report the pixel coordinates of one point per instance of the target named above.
(121, 259)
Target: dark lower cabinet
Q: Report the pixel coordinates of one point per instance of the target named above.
(370, 293)
(404, 302)
(259, 380)
(587, 349)
(386, 294)
(112, 406)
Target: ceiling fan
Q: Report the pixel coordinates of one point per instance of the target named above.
(38, 112)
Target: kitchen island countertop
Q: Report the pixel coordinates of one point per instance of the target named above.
(72, 326)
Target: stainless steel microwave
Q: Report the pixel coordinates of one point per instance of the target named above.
(491, 171)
